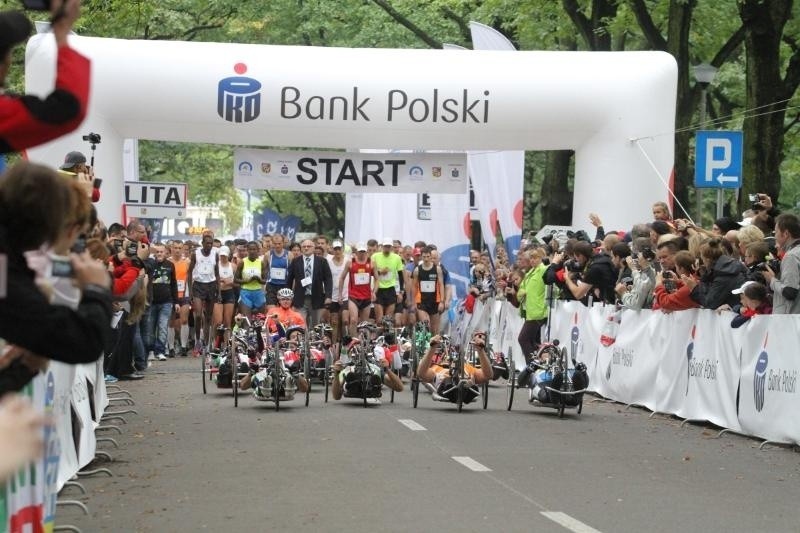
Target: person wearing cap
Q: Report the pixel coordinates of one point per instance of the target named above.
(754, 301)
(225, 307)
(29, 121)
(338, 310)
(163, 292)
(75, 166)
(360, 279)
(390, 289)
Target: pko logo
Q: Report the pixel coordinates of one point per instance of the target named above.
(239, 97)
(760, 380)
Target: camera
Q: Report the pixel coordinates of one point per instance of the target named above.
(92, 138)
(80, 245)
(753, 197)
(572, 266)
(61, 267)
(131, 249)
(647, 253)
(666, 274)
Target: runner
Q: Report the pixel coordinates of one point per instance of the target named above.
(388, 267)
(427, 294)
(360, 278)
(203, 276)
(180, 320)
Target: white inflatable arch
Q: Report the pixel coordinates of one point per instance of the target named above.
(592, 102)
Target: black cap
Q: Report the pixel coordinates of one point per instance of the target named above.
(14, 29)
(72, 159)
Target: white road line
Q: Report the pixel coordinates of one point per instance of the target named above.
(410, 424)
(568, 522)
(472, 464)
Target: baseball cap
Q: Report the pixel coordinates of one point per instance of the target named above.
(224, 250)
(361, 247)
(14, 28)
(387, 242)
(741, 289)
(746, 221)
(336, 244)
(72, 159)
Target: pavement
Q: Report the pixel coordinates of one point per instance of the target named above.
(193, 462)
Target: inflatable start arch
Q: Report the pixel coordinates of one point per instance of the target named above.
(592, 102)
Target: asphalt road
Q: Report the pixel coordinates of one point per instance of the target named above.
(193, 462)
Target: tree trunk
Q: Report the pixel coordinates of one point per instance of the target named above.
(763, 134)
(556, 199)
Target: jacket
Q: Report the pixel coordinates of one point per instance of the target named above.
(532, 289)
(643, 283)
(27, 121)
(788, 283)
(676, 301)
(716, 285)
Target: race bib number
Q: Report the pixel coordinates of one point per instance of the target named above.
(385, 277)
(427, 286)
(305, 282)
(277, 274)
(250, 273)
(181, 285)
(206, 269)
(361, 278)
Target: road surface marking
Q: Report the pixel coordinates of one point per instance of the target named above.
(410, 424)
(472, 464)
(568, 522)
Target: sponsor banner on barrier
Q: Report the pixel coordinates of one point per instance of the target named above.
(709, 375)
(83, 425)
(672, 348)
(343, 172)
(626, 368)
(64, 378)
(768, 388)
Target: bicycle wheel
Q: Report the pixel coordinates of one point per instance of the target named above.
(205, 370)
(510, 386)
(276, 382)
(307, 375)
(460, 398)
(561, 406)
(235, 385)
(485, 392)
(326, 374)
(364, 385)
(414, 391)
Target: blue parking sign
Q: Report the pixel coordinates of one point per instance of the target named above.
(718, 159)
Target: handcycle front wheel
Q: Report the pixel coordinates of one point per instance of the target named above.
(485, 393)
(307, 376)
(414, 391)
(460, 397)
(510, 386)
(206, 369)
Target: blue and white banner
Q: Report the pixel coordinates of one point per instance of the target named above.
(270, 222)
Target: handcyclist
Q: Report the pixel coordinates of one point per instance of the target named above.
(347, 381)
(283, 312)
(290, 346)
(439, 373)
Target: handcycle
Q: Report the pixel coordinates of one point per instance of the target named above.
(362, 380)
(554, 381)
(461, 386)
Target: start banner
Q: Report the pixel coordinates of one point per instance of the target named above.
(344, 172)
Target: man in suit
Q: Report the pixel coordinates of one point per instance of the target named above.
(310, 278)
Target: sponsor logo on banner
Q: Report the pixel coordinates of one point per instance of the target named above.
(455, 173)
(239, 97)
(771, 380)
(620, 356)
(436, 172)
(416, 173)
(689, 356)
(245, 168)
(698, 367)
(266, 168)
(284, 169)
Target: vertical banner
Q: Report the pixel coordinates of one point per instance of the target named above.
(270, 222)
(498, 177)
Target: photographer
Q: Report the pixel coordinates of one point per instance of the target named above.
(675, 291)
(592, 279)
(785, 286)
(28, 120)
(34, 203)
(75, 164)
(639, 292)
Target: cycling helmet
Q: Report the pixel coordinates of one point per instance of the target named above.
(286, 293)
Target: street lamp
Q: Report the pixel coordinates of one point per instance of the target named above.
(704, 75)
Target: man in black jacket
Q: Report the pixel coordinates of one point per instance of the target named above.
(310, 278)
(597, 275)
(163, 292)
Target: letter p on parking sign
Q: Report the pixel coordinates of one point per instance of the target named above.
(718, 159)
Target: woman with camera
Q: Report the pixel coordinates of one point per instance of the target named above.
(34, 203)
(675, 291)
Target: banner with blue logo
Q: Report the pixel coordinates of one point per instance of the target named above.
(270, 222)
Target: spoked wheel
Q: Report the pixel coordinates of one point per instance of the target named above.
(510, 386)
(485, 393)
(460, 398)
(276, 382)
(364, 383)
(580, 405)
(235, 385)
(206, 369)
(415, 391)
(561, 406)
(307, 375)
(326, 373)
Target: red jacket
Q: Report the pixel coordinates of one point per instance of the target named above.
(676, 301)
(28, 121)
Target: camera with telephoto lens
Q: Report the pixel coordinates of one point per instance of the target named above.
(773, 265)
(573, 266)
(92, 138)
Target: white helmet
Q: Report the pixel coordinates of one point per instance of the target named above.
(286, 293)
